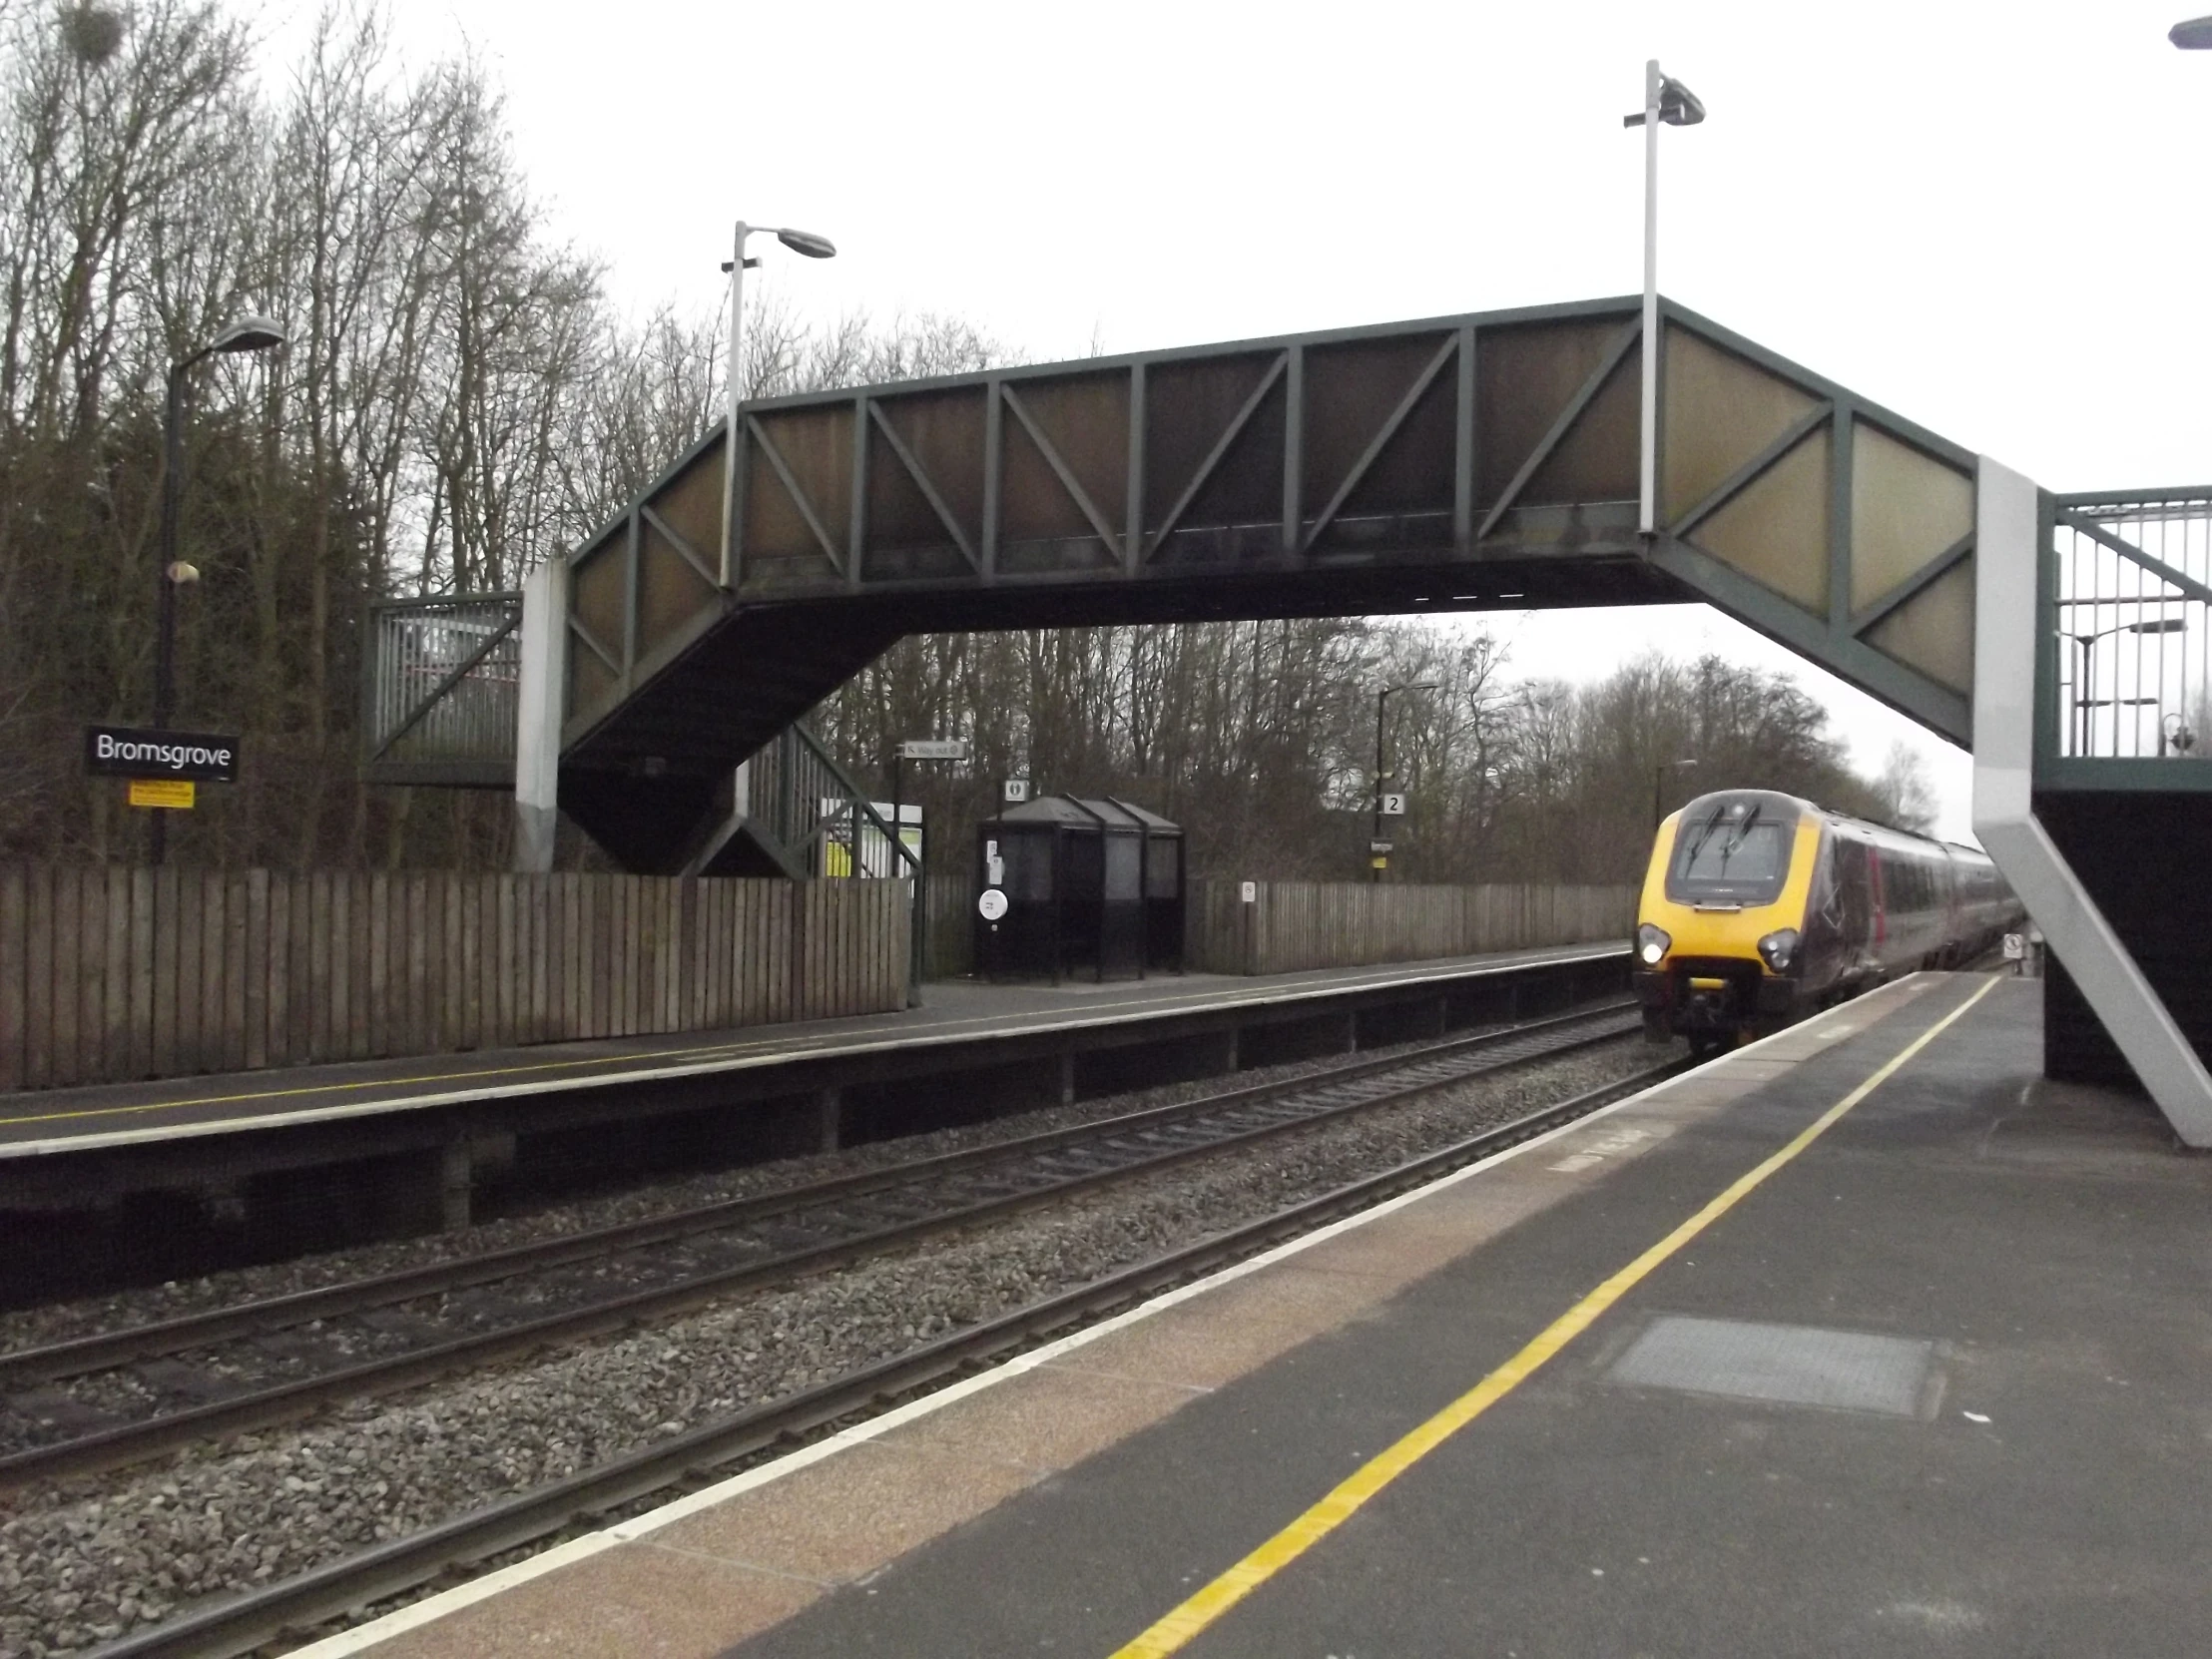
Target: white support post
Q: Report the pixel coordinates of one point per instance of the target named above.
(542, 671)
(2008, 548)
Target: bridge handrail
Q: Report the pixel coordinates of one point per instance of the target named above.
(440, 681)
(2124, 647)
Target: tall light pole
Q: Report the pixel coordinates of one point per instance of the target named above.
(249, 333)
(1381, 701)
(798, 242)
(1669, 104)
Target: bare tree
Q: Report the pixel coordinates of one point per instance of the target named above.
(1904, 793)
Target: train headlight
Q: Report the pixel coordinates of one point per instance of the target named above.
(1779, 948)
(1652, 943)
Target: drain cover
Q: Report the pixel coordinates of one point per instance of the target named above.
(1796, 1365)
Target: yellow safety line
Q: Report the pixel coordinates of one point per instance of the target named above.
(1185, 1623)
(645, 1059)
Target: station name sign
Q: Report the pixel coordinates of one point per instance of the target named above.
(134, 751)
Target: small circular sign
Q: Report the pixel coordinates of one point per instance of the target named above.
(992, 905)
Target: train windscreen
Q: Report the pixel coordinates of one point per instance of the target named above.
(1731, 853)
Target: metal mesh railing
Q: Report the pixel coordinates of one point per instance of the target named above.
(443, 680)
(2132, 640)
(814, 809)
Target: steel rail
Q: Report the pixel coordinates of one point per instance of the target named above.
(337, 1588)
(106, 1350)
(297, 1397)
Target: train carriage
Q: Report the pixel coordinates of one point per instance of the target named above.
(1759, 908)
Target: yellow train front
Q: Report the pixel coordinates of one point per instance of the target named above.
(1759, 908)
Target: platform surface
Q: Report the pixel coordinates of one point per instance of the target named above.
(1932, 1383)
(41, 1120)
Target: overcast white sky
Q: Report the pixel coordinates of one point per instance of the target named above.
(1989, 217)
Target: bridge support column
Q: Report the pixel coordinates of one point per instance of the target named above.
(2007, 554)
(538, 715)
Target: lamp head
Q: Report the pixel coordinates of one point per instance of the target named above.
(2192, 35)
(2164, 624)
(807, 243)
(1678, 105)
(249, 333)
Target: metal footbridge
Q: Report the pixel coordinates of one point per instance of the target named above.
(648, 685)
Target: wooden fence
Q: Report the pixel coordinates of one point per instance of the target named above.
(1317, 924)
(110, 974)
(1320, 925)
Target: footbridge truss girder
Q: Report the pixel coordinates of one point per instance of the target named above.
(1472, 462)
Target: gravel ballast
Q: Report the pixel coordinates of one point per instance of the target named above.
(86, 1561)
(94, 1315)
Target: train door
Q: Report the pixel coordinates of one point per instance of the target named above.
(1856, 896)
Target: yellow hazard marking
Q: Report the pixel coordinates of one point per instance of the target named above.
(176, 794)
(1183, 1623)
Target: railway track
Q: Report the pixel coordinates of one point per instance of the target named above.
(699, 1456)
(106, 1400)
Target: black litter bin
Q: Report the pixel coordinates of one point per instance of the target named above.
(1084, 888)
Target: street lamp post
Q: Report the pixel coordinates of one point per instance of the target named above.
(249, 333)
(1658, 787)
(798, 242)
(2088, 643)
(1665, 104)
(1381, 701)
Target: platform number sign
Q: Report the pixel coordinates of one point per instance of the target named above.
(1393, 803)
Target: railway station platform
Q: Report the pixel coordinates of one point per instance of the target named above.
(407, 1142)
(1863, 1340)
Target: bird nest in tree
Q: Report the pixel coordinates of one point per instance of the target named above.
(91, 33)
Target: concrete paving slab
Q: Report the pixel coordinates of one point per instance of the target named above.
(636, 1601)
(842, 1518)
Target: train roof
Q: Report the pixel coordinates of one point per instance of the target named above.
(1797, 805)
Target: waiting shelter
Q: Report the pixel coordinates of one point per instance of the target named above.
(1069, 888)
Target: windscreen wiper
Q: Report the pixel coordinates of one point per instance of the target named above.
(1729, 850)
(1705, 835)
